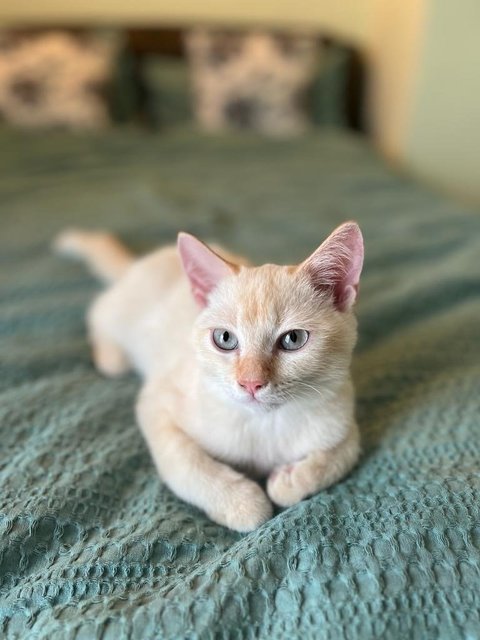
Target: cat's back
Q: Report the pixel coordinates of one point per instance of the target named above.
(149, 309)
(155, 272)
(147, 281)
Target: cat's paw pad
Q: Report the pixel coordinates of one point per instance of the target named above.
(286, 485)
(246, 508)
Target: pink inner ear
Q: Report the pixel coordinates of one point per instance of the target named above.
(203, 267)
(337, 264)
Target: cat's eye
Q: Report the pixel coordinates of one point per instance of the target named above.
(224, 339)
(293, 340)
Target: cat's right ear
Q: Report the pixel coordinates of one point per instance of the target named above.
(203, 267)
(335, 267)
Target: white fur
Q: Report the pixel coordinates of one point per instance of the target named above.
(207, 436)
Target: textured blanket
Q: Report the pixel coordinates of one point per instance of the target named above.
(92, 545)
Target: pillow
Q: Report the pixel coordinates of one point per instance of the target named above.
(55, 78)
(252, 80)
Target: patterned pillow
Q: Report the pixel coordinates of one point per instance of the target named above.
(253, 81)
(55, 78)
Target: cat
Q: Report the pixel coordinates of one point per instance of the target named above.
(246, 369)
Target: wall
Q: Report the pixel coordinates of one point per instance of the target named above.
(442, 143)
(348, 19)
(392, 50)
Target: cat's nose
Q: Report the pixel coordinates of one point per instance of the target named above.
(252, 386)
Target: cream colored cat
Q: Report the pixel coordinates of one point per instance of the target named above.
(246, 369)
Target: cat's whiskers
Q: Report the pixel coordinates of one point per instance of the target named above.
(293, 399)
(310, 386)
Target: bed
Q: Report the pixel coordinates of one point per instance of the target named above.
(93, 545)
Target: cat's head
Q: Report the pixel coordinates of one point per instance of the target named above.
(271, 335)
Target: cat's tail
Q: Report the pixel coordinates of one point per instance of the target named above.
(105, 256)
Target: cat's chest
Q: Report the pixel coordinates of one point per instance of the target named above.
(258, 442)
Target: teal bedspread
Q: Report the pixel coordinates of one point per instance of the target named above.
(92, 545)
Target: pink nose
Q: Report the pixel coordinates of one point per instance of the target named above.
(252, 386)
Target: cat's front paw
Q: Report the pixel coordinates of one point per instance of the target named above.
(245, 507)
(287, 485)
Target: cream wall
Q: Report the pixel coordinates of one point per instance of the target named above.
(348, 19)
(424, 95)
(442, 141)
(393, 48)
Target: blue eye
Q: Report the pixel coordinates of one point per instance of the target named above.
(293, 340)
(224, 339)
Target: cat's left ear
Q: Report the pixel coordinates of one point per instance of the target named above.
(204, 268)
(335, 267)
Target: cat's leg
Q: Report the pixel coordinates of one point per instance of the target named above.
(226, 496)
(108, 356)
(291, 483)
